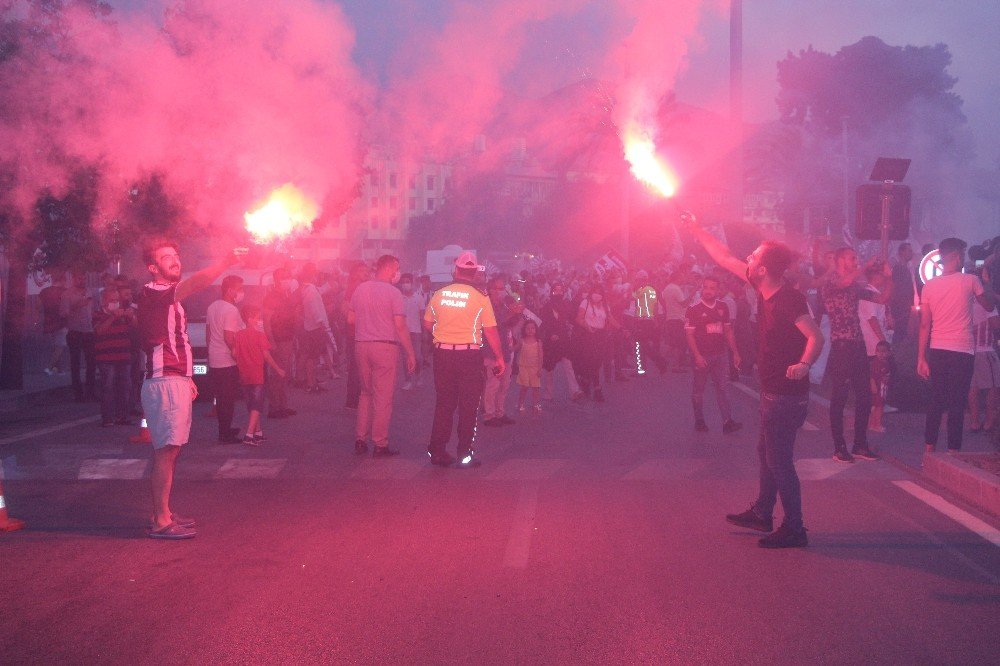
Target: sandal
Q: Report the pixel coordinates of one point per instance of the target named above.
(173, 532)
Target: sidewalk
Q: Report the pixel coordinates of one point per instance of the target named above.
(37, 387)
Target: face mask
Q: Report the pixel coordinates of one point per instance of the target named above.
(113, 306)
(286, 285)
(406, 287)
(239, 297)
(259, 326)
(395, 277)
(597, 298)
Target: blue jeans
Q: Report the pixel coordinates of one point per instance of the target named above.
(116, 390)
(780, 418)
(718, 370)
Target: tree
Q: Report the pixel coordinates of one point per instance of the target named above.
(840, 111)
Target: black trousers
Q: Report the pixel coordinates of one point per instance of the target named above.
(647, 341)
(848, 369)
(459, 376)
(951, 377)
(81, 346)
(226, 387)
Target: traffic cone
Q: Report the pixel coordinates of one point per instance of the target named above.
(7, 524)
(143, 436)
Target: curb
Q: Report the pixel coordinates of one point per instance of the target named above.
(979, 488)
(18, 400)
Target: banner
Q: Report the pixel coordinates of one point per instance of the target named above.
(610, 261)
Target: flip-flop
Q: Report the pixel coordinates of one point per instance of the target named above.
(173, 531)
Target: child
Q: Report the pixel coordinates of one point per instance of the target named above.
(528, 354)
(881, 370)
(252, 350)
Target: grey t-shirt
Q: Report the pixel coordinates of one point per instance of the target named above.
(375, 303)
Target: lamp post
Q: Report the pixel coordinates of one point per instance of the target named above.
(736, 101)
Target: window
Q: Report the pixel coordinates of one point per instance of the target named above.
(394, 202)
(447, 184)
(373, 179)
(392, 180)
(430, 205)
(430, 183)
(375, 222)
(394, 223)
(413, 203)
(374, 202)
(413, 182)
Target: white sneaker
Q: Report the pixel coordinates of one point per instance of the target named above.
(889, 409)
(407, 385)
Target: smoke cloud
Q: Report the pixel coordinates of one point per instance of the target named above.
(224, 99)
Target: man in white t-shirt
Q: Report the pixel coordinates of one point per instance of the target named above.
(222, 321)
(946, 349)
(986, 369)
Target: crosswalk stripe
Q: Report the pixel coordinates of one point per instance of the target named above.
(113, 468)
(251, 468)
(383, 470)
(525, 469)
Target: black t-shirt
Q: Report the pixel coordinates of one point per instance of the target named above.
(781, 342)
(709, 326)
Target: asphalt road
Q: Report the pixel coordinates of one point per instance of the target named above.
(591, 534)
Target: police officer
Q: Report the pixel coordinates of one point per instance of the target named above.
(460, 318)
(646, 310)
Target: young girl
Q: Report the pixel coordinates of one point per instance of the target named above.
(252, 350)
(528, 353)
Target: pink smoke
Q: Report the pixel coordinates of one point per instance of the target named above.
(226, 99)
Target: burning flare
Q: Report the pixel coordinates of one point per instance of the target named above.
(640, 151)
(287, 211)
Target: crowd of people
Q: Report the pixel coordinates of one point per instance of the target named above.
(539, 331)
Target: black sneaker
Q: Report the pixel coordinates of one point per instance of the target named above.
(230, 439)
(384, 452)
(785, 538)
(493, 423)
(751, 520)
(277, 414)
(360, 447)
(700, 426)
(442, 459)
(731, 426)
(506, 420)
(841, 455)
(864, 453)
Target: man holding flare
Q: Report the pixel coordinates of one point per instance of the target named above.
(789, 343)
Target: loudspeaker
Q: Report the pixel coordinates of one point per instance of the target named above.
(869, 213)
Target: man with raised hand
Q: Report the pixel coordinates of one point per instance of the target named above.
(789, 342)
(168, 390)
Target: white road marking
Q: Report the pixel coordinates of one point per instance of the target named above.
(49, 430)
(113, 468)
(387, 468)
(519, 543)
(963, 518)
(251, 468)
(818, 469)
(665, 470)
(808, 425)
(523, 469)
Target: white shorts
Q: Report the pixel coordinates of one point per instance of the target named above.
(986, 371)
(166, 405)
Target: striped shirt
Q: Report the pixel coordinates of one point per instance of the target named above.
(114, 345)
(163, 331)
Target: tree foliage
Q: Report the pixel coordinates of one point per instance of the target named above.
(841, 111)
